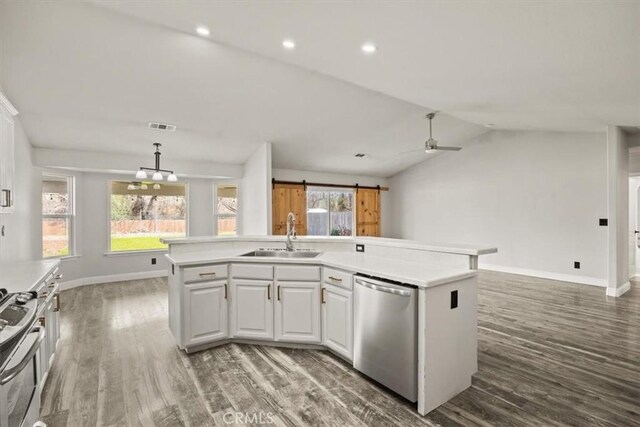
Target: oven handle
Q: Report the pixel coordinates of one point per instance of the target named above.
(11, 373)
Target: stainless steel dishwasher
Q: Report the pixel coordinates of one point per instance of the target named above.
(385, 336)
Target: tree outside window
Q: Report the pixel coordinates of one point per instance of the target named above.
(143, 213)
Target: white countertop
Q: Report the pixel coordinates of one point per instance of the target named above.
(454, 248)
(25, 275)
(413, 273)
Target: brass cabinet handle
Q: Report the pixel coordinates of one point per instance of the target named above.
(57, 297)
(278, 292)
(335, 279)
(42, 321)
(322, 300)
(225, 291)
(207, 274)
(269, 291)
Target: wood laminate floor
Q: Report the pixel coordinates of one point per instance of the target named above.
(550, 353)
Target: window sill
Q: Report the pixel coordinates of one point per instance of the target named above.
(129, 253)
(62, 258)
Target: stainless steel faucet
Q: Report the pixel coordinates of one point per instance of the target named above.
(291, 230)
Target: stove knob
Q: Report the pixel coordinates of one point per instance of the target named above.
(22, 299)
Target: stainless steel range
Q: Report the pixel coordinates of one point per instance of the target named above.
(20, 340)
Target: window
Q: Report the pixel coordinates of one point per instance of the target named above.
(57, 216)
(329, 212)
(143, 213)
(226, 209)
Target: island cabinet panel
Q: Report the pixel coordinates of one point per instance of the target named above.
(252, 309)
(205, 273)
(289, 198)
(337, 320)
(206, 315)
(368, 212)
(298, 312)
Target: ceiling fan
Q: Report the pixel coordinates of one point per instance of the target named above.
(431, 144)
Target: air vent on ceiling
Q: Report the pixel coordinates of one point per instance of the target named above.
(360, 155)
(162, 126)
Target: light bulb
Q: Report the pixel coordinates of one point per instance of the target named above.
(156, 186)
(131, 187)
(157, 176)
(172, 178)
(144, 187)
(141, 174)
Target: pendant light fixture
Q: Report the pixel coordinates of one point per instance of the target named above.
(157, 172)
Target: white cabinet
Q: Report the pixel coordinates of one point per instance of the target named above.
(337, 320)
(50, 320)
(7, 161)
(252, 309)
(298, 312)
(206, 312)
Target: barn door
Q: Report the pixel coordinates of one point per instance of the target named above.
(368, 212)
(289, 198)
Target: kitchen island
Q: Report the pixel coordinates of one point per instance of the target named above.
(220, 291)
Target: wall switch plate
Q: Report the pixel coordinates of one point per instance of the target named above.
(359, 248)
(604, 222)
(153, 261)
(454, 299)
(576, 265)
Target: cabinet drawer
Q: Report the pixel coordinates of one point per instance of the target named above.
(205, 272)
(252, 271)
(297, 272)
(337, 277)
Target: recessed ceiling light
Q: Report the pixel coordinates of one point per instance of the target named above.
(289, 44)
(203, 31)
(369, 48)
(489, 125)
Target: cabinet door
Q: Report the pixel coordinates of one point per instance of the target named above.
(206, 313)
(252, 313)
(6, 162)
(337, 320)
(298, 312)
(51, 330)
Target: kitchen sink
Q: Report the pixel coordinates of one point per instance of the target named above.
(281, 254)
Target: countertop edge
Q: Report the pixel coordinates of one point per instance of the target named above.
(447, 276)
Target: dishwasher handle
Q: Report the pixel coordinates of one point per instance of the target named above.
(382, 287)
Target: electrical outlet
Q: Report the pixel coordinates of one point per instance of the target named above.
(604, 222)
(576, 265)
(454, 299)
(153, 261)
(359, 248)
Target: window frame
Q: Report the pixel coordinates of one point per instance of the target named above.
(142, 251)
(335, 189)
(70, 216)
(217, 215)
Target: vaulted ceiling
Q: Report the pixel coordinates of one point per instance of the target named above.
(90, 76)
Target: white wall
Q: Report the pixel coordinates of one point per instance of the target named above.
(23, 227)
(336, 178)
(618, 205)
(634, 251)
(255, 193)
(92, 232)
(537, 196)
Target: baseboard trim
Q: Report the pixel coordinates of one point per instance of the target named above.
(112, 278)
(619, 291)
(584, 280)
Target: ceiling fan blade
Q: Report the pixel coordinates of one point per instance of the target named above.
(440, 147)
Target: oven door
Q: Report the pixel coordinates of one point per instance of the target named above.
(19, 393)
